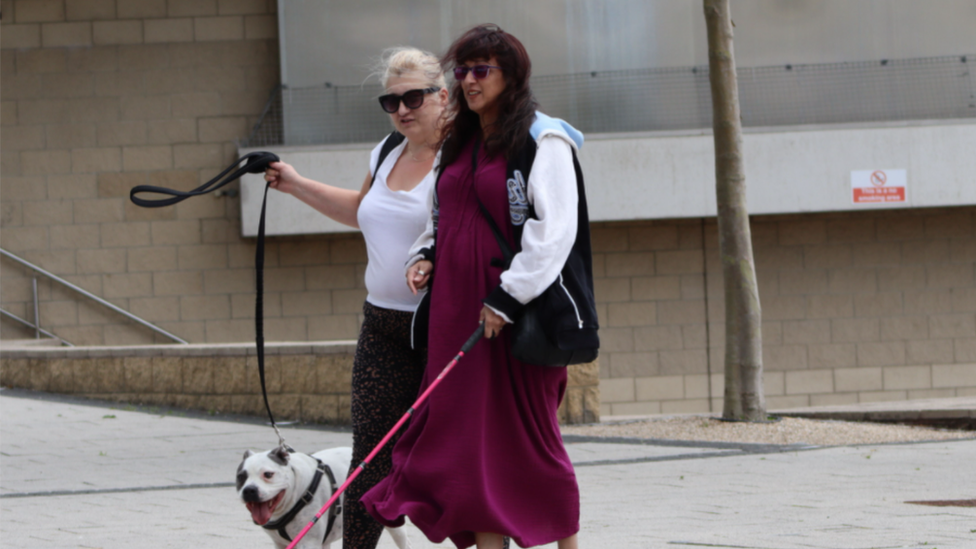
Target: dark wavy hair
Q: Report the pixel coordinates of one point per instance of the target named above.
(516, 104)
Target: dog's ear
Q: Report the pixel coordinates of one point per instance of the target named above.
(248, 453)
(279, 455)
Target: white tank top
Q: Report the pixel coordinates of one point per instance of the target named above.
(391, 221)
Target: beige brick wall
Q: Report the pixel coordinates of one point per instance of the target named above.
(857, 307)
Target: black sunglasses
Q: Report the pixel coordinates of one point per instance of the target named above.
(413, 99)
(480, 71)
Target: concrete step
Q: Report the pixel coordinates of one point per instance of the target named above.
(953, 413)
(29, 343)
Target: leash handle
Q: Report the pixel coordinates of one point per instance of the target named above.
(468, 345)
(255, 162)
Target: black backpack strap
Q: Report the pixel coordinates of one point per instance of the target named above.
(391, 142)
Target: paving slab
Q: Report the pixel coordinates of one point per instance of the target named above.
(92, 475)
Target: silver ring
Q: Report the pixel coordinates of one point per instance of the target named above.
(421, 272)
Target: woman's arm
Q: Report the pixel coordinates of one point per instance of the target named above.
(339, 204)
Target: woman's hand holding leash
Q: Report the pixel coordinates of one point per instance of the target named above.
(418, 275)
(492, 321)
(282, 177)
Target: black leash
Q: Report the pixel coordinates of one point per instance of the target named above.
(255, 162)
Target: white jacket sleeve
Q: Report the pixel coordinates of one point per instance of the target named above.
(548, 238)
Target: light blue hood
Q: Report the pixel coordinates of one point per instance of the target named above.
(545, 124)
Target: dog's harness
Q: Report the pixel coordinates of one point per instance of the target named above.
(307, 498)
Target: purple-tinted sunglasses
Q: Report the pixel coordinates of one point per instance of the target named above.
(480, 71)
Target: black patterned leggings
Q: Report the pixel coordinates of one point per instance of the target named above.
(386, 376)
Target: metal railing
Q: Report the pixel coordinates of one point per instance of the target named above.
(674, 98)
(37, 324)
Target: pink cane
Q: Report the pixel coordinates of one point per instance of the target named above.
(478, 334)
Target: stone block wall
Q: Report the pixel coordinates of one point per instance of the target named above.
(304, 382)
(857, 307)
(650, 291)
(308, 382)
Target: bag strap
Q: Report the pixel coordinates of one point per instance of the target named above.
(507, 253)
(391, 142)
(256, 162)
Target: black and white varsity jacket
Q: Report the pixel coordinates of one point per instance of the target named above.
(548, 213)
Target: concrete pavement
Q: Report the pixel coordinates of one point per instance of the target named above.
(78, 474)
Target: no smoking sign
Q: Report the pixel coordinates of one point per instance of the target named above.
(878, 186)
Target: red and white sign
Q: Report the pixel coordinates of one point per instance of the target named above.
(878, 186)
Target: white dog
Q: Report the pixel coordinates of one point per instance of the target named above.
(283, 490)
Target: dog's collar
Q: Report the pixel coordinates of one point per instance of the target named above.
(307, 497)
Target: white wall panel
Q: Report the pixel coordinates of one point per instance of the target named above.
(660, 176)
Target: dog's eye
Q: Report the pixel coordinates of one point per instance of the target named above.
(268, 475)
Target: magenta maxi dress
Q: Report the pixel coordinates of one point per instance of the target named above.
(483, 453)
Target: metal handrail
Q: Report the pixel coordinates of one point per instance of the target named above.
(12, 316)
(92, 296)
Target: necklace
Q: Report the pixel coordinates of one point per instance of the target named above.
(415, 158)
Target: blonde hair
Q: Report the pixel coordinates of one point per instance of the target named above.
(401, 60)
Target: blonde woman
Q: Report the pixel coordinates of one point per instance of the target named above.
(391, 210)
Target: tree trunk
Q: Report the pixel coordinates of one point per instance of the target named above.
(744, 399)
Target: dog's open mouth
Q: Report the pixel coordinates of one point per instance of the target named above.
(261, 510)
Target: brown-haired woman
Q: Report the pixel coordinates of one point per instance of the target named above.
(391, 210)
(483, 457)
